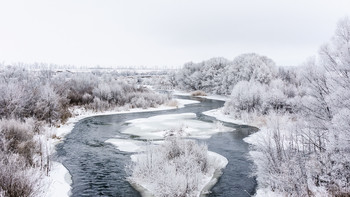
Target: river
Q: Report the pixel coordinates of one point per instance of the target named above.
(98, 168)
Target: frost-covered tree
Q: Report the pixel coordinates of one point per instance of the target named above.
(206, 75)
(248, 67)
(315, 149)
(219, 75)
(245, 96)
(49, 106)
(335, 58)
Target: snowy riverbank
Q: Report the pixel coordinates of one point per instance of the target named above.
(58, 182)
(212, 97)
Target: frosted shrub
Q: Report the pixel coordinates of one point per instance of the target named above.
(18, 172)
(174, 168)
(17, 137)
(219, 75)
(246, 96)
(147, 99)
(98, 105)
(102, 91)
(279, 157)
(49, 106)
(47, 95)
(273, 100)
(198, 93)
(173, 103)
(16, 179)
(87, 98)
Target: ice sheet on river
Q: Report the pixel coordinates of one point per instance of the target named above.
(127, 145)
(156, 126)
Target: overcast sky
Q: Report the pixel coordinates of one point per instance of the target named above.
(164, 32)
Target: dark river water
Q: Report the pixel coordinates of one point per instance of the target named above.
(98, 168)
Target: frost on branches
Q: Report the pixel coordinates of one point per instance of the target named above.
(176, 167)
(311, 145)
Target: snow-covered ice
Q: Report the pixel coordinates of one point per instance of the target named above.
(183, 102)
(126, 145)
(155, 127)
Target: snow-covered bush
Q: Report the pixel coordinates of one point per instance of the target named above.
(49, 106)
(248, 67)
(47, 95)
(102, 91)
(245, 96)
(98, 105)
(198, 93)
(274, 98)
(17, 179)
(219, 75)
(259, 98)
(147, 99)
(17, 138)
(206, 75)
(176, 167)
(20, 168)
(277, 154)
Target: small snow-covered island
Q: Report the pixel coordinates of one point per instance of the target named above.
(176, 167)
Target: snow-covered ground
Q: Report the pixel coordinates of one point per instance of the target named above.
(59, 180)
(221, 163)
(218, 114)
(247, 119)
(212, 97)
(181, 93)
